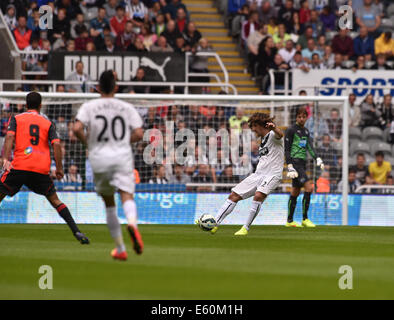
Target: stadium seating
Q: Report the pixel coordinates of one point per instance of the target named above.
(355, 133)
(386, 135)
(353, 160)
(387, 23)
(381, 146)
(337, 146)
(389, 159)
(369, 159)
(359, 147)
(372, 133)
(390, 10)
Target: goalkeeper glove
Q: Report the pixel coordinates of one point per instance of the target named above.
(319, 163)
(292, 173)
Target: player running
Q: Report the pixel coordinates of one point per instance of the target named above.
(32, 133)
(297, 142)
(267, 176)
(112, 125)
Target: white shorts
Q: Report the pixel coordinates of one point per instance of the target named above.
(107, 183)
(256, 182)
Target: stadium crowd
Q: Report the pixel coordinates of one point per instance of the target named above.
(106, 26)
(304, 34)
(282, 35)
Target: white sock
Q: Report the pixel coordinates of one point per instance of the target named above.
(254, 211)
(114, 228)
(227, 207)
(130, 210)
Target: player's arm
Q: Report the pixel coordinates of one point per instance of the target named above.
(272, 126)
(312, 152)
(136, 135)
(291, 172)
(57, 151)
(8, 144)
(289, 136)
(79, 132)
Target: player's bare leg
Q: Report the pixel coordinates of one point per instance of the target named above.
(114, 227)
(63, 211)
(130, 210)
(308, 189)
(227, 207)
(258, 200)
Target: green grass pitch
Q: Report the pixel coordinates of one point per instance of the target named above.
(183, 262)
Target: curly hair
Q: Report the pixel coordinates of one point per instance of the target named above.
(260, 119)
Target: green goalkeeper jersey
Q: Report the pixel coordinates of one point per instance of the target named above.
(297, 143)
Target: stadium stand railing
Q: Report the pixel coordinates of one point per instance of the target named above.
(17, 51)
(54, 83)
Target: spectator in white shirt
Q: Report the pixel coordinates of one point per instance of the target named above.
(316, 62)
(253, 43)
(10, 17)
(298, 62)
(73, 178)
(288, 52)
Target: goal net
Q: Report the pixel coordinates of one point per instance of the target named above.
(195, 149)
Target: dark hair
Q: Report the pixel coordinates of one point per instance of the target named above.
(352, 170)
(33, 100)
(361, 155)
(260, 119)
(315, 54)
(387, 35)
(120, 7)
(107, 82)
(301, 110)
(34, 39)
(379, 154)
(82, 30)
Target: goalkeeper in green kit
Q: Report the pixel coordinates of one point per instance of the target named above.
(297, 143)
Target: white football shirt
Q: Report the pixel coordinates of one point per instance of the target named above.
(271, 152)
(110, 123)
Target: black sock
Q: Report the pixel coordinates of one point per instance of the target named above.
(66, 215)
(305, 204)
(291, 208)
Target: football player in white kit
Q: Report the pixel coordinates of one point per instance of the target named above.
(267, 176)
(112, 125)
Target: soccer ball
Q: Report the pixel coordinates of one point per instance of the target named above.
(207, 222)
